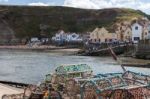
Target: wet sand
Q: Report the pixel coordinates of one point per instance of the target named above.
(25, 47)
(45, 48)
(130, 60)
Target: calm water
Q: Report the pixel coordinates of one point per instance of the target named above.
(31, 67)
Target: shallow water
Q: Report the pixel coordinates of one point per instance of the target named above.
(31, 67)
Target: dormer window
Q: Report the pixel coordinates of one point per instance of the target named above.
(136, 28)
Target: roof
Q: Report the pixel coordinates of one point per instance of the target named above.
(141, 22)
(111, 30)
(73, 68)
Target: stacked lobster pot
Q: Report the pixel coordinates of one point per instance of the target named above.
(78, 82)
(128, 85)
(63, 80)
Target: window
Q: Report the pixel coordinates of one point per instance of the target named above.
(57, 38)
(145, 33)
(99, 40)
(110, 40)
(73, 36)
(136, 38)
(136, 28)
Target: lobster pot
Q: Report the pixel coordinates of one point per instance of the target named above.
(57, 79)
(72, 71)
(134, 78)
(133, 93)
(72, 87)
(128, 85)
(89, 92)
(48, 78)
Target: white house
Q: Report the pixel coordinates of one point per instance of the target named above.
(34, 39)
(137, 30)
(44, 40)
(60, 36)
(73, 37)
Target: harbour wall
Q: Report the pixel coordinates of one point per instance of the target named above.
(143, 49)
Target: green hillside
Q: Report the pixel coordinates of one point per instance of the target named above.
(26, 21)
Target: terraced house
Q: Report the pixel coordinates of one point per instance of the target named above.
(137, 29)
(102, 35)
(140, 30)
(124, 32)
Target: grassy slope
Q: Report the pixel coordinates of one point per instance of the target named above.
(25, 21)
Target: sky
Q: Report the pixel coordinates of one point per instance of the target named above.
(143, 5)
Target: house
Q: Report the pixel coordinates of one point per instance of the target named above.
(127, 36)
(124, 32)
(86, 36)
(140, 29)
(44, 40)
(124, 35)
(146, 32)
(34, 39)
(137, 30)
(60, 36)
(101, 35)
(73, 37)
(65, 38)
